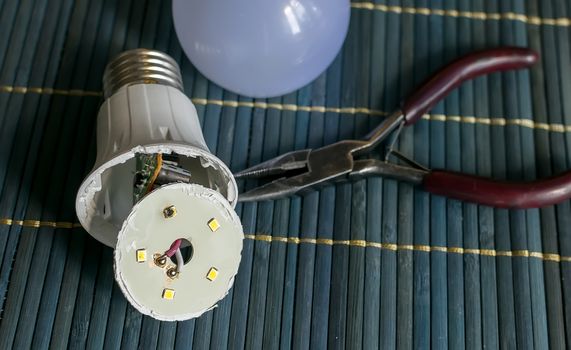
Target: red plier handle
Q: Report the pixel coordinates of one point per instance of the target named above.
(500, 194)
(466, 68)
(476, 189)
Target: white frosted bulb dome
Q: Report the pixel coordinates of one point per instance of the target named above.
(261, 48)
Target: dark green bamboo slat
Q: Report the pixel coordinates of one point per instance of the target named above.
(564, 220)
(339, 317)
(238, 312)
(318, 309)
(468, 163)
(167, 334)
(184, 334)
(289, 276)
(544, 38)
(507, 329)
(438, 219)
(548, 220)
(261, 293)
(275, 287)
(116, 320)
(356, 64)
(7, 20)
(372, 283)
(391, 97)
(330, 87)
(405, 223)
(561, 156)
(489, 299)
(455, 153)
(221, 317)
(421, 282)
(536, 287)
(517, 219)
(308, 226)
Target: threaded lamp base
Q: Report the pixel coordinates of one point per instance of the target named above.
(141, 66)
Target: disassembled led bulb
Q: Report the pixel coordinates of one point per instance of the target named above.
(205, 278)
(156, 191)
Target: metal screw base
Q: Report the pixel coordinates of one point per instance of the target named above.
(141, 66)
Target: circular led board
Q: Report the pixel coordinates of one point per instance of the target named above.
(197, 214)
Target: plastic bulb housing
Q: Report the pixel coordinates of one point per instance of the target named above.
(147, 126)
(145, 111)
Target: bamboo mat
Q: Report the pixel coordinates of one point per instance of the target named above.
(372, 264)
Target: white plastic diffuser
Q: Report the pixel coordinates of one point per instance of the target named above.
(146, 112)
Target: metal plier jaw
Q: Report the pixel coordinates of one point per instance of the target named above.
(300, 170)
(297, 171)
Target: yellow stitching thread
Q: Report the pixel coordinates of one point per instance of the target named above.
(47, 91)
(476, 15)
(407, 247)
(526, 123)
(349, 243)
(37, 223)
(288, 107)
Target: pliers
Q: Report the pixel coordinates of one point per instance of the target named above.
(297, 171)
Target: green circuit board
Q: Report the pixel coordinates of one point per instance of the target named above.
(146, 166)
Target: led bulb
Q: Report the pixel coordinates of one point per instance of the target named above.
(155, 182)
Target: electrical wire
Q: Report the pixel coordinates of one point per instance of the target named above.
(179, 260)
(156, 173)
(173, 248)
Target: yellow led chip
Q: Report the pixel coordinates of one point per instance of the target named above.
(168, 294)
(212, 274)
(213, 224)
(141, 255)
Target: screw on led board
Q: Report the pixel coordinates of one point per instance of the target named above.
(168, 294)
(172, 272)
(141, 255)
(213, 224)
(212, 274)
(160, 260)
(169, 212)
